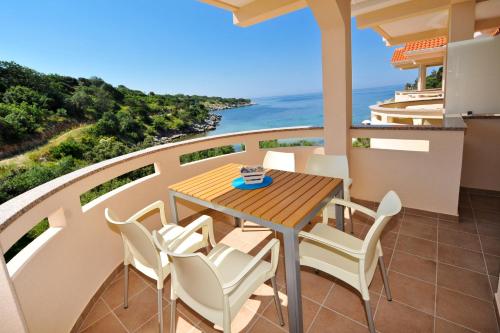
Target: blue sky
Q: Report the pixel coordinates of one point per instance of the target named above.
(181, 46)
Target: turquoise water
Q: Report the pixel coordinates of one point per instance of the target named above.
(296, 110)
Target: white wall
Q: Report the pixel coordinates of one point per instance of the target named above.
(473, 76)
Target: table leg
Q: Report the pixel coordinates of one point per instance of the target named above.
(339, 212)
(293, 288)
(173, 208)
(237, 222)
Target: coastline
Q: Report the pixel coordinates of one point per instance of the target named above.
(210, 124)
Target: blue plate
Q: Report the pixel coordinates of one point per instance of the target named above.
(239, 183)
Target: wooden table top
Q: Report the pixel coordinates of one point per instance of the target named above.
(286, 201)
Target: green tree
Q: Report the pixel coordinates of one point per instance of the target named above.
(20, 94)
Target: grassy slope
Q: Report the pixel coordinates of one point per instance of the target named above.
(33, 154)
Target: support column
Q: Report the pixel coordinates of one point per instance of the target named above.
(461, 26)
(334, 20)
(461, 21)
(422, 77)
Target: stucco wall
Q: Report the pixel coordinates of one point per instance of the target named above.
(473, 76)
(424, 180)
(481, 162)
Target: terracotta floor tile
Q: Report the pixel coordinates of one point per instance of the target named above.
(376, 284)
(183, 325)
(493, 264)
(464, 225)
(491, 245)
(422, 215)
(387, 255)
(432, 221)
(309, 310)
(259, 301)
(465, 310)
(315, 285)
(113, 296)
(415, 293)
(140, 309)
(489, 229)
(243, 322)
(443, 326)
(98, 311)
(264, 325)
(411, 265)
(482, 202)
(394, 317)
(417, 246)
(461, 257)
(347, 301)
(464, 281)
(394, 224)
(388, 239)
(486, 216)
(460, 239)
(465, 212)
(493, 282)
(107, 324)
(419, 230)
(329, 321)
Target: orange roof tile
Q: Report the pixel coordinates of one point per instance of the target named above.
(425, 44)
(398, 55)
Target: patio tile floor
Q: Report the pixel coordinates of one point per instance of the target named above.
(443, 275)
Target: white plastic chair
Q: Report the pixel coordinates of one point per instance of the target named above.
(217, 285)
(348, 258)
(141, 252)
(279, 161)
(336, 166)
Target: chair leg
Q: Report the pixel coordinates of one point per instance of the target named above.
(384, 277)
(352, 222)
(369, 316)
(160, 309)
(277, 301)
(172, 315)
(125, 292)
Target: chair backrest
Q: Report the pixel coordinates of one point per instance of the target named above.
(137, 242)
(199, 279)
(279, 161)
(388, 207)
(328, 166)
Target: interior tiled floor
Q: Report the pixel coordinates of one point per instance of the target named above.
(442, 275)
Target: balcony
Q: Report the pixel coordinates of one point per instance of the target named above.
(409, 112)
(413, 95)
(72, 267)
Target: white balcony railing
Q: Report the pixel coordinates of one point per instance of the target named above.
(54, 277)
(413, 95)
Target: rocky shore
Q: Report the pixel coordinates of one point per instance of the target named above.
(221, 107)
(209, 125)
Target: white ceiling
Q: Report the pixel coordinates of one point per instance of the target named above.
(436, 20)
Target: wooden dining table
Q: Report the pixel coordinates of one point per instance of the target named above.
(290, 202)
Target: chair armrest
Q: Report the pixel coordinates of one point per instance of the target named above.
(274, 246)
(149, 208)
(203, 222)
(315, 238)
(355, 206)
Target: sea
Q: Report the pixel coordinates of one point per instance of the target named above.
(296, 110)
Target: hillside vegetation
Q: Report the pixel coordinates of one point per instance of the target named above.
(111, 121)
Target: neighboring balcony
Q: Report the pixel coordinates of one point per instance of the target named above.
(413, 95)
(409, 112)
